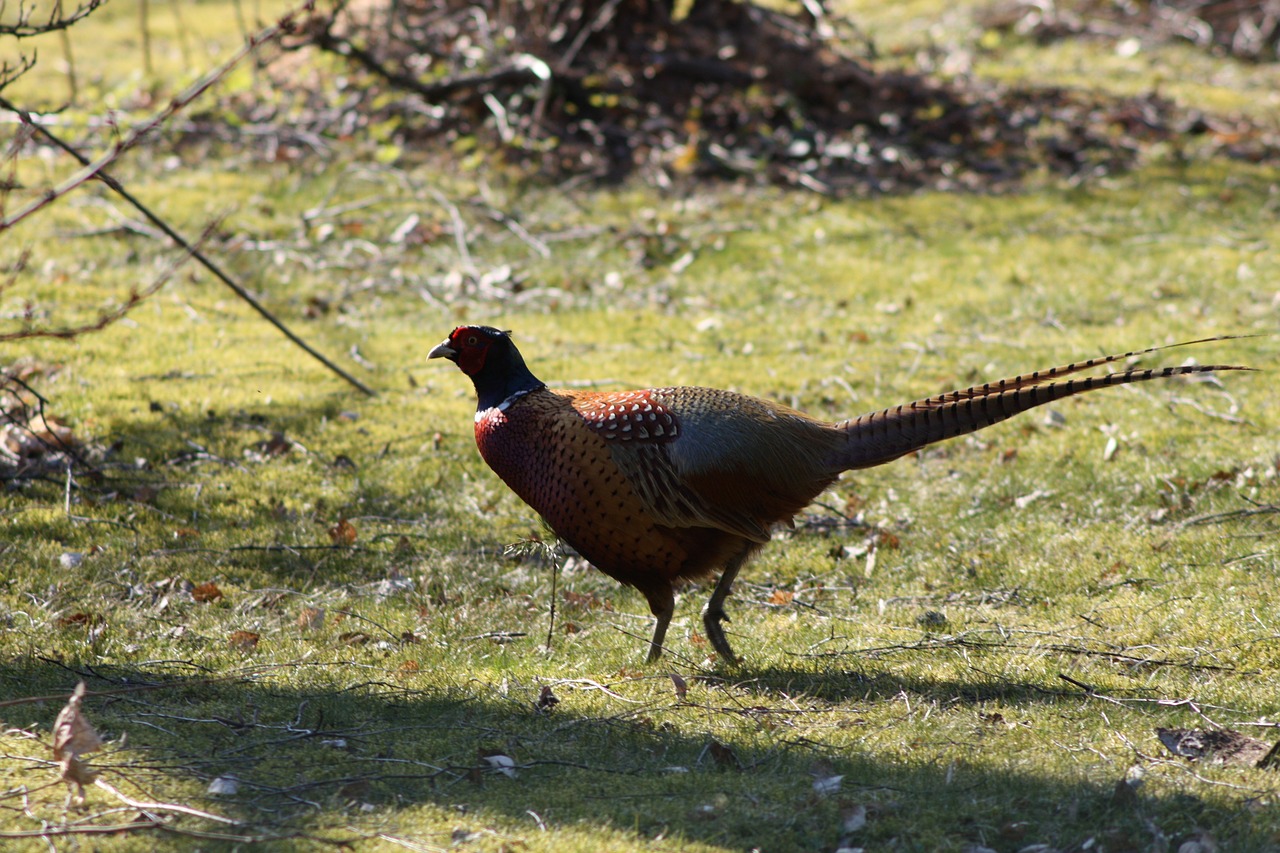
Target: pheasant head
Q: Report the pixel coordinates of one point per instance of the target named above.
(492, 361)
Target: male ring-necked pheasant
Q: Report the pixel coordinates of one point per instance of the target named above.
(665, 484)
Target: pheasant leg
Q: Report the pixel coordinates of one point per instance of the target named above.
(662, 609)
(713, 614)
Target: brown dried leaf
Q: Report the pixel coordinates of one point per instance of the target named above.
(78, 619)
(885, 539)
(245, 641)
(781, 597)
(1217, 747)
(682, 687)
(354, 638)
(547, 700)
(278, 445)
(73, 737)
(581, 600)
(311, 619)
(723, 755)
(206, 592)
(343, 533)
(53, 432)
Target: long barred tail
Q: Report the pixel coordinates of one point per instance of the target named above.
(882, 436)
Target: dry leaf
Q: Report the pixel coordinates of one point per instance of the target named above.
(78, 619)
(682, 687)
(547, 700)
(503, 764)
(354, 638)
(723, 755)
(343, 533)
(583, 600)
(206, 592)
(781, 597)
(827, 785)
(278, 445)
(245, 641)
(54, 434)
(224, 786)
(409, 667)
(310, 619)
(73, 736)
(1218, 747)
(931, 619)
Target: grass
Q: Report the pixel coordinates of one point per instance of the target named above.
(1147, 574)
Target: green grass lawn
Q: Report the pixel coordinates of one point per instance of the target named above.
(370, 690)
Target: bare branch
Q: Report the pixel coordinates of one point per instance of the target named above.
(181, 101)
(26, 26)
(97, 169)
(10, 73)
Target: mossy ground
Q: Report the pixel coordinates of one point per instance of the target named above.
(1149, 573)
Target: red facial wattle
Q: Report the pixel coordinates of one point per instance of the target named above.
(471, 349)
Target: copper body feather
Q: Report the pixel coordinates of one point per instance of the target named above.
(661, 485)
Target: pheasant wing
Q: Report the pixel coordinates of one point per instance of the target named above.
(702, 457)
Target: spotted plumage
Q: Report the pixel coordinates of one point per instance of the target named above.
(662, 485)
(630, 415)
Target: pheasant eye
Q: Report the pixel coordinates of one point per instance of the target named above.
(472, 341)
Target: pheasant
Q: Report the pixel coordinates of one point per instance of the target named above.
(663, 485)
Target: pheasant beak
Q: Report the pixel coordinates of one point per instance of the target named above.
(444, 351)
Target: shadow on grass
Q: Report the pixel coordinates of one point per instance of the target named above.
(258, 489)
(322, 761)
